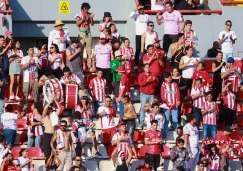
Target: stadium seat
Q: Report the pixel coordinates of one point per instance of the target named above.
(23, 138)
(208, 65)
(137, 107)
(235, 135)
(166, 153)
(186, 108)
(138, 137)
(240, 123)
(102, 150)
(142, 151)
(106, 165)
(91, 165)
(15, 152)
(110, 150)
(88, 79)
(106, 138)
(21, 124)
(35, 153)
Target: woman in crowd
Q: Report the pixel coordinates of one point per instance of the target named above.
(56, 61)
(42, 54)
(52, 162)
(14, 56)
(23, 161)
(8, 163)
(107, 20)
(177, 50)
(214, 158)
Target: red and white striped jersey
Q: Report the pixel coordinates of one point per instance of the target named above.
(122, 146)
(129, 53)
(210, 118)
(38, 130)
(85, 114)
(107, 120)
(232, 77)
(190, 37)
(229, 100)
(170, 93)
(214, 162)
(201, 99)
(97, 86)
(159, 117)
(73, 78)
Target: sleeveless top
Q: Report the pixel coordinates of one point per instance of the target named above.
(75, 64)
(217, 63)
(149, 39)
(188, 71)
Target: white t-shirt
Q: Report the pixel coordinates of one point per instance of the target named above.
(31, 72)
(193, 134)
(157, 5)
(9, 120)
(140, 22)
(188, 71)
(159, 117)
(21, 161)
(227, 46)
(106, 123)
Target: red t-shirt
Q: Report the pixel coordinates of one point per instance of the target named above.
(153, 136)
(9, 167)
(125, 83)
(155, 67)
(203, 75)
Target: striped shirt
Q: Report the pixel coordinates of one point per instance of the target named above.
(97, 86)
(122, 146)
(170, 93)
(232, 77)
(214, 162)
(210, 117)
(198, 102)
(38, 128)
(129, 53)
(229, 100)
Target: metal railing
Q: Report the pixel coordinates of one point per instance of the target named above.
(230, 2)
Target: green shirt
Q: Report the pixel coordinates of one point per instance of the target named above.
(114, 65)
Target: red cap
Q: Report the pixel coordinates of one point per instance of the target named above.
(121, 68)
(121, 123)
(7, 33)
(156, 40)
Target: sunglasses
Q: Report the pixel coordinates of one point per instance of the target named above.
(108, 101)
(62, 125)
(228, 25)
(151, 25)
(52, 47)
(78, 160)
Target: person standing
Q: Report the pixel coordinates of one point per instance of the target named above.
(191, 38)
(148, 37)
(153, 140)
(227, 39)
(83, 21)
(147, 82)
(191, 137)
(177, 51)
(74, 59)
(172, 20)
(30, 66)
(78, 164)
(59, 37)
(141, 20)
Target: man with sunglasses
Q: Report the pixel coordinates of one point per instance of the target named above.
(148, 37)
(78, 164)
(64, 146)
(227, 39)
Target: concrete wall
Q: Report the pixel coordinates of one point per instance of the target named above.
(36, 19)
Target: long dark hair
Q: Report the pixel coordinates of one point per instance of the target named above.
(211, 155)
(56, 47)
(38, 107)
(14, 46)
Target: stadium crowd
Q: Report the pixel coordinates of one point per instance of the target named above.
(61, 108)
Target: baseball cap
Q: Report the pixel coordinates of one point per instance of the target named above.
(156, 40)
(118, 53)
(84, 98)
(121, 123)
(74, 40)
(230, 60)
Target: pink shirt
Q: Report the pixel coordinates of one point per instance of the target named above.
(103, 55)
(57, 63)
(172, 22)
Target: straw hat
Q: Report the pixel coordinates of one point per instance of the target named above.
(58, 23)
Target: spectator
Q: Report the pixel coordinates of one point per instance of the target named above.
(114, 32)
(23, 161)
(191, 38)
(103, 54)
(179, 155)
(145, 167)
(124, 162)
(153, 140)
(59, 37)
(49, 115)
(170, 95)
(42, 54)
(83, 20)
(177, 51)
(63, 140)
(115, 63)
(229, 105)
(2, 96)
(227, 39)
(97, 88)
(47, 75)
(35, 130)
(124, 88)
(107, 114)
(214, 50)
(123, 142)
(148, 37)
(4, 150)
(8, 119)
(198, 97)
(56, 60)
(179, 80)
(2, 5)
(157, 5)
(201, 73)
(214, 157)
(154, 60)
(107, 20)
(129, 115)
(155, 115)
(185, 5)
(74, 59)
(110, 39)
(172, 20)
(52, 162)
(200, 166)
(209, 112)
(14, 56)
(179, 133)
(232, 73)
(191, 135)
(78, 164)
(8, 163)
(217, 66)
(160, 51)
(141, 20)
(3, 51)
(147, 82)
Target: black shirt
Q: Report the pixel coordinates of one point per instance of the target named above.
(122, 167)
(212, 53)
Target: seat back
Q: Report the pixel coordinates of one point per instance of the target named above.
(15, 152)
(35, 153)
